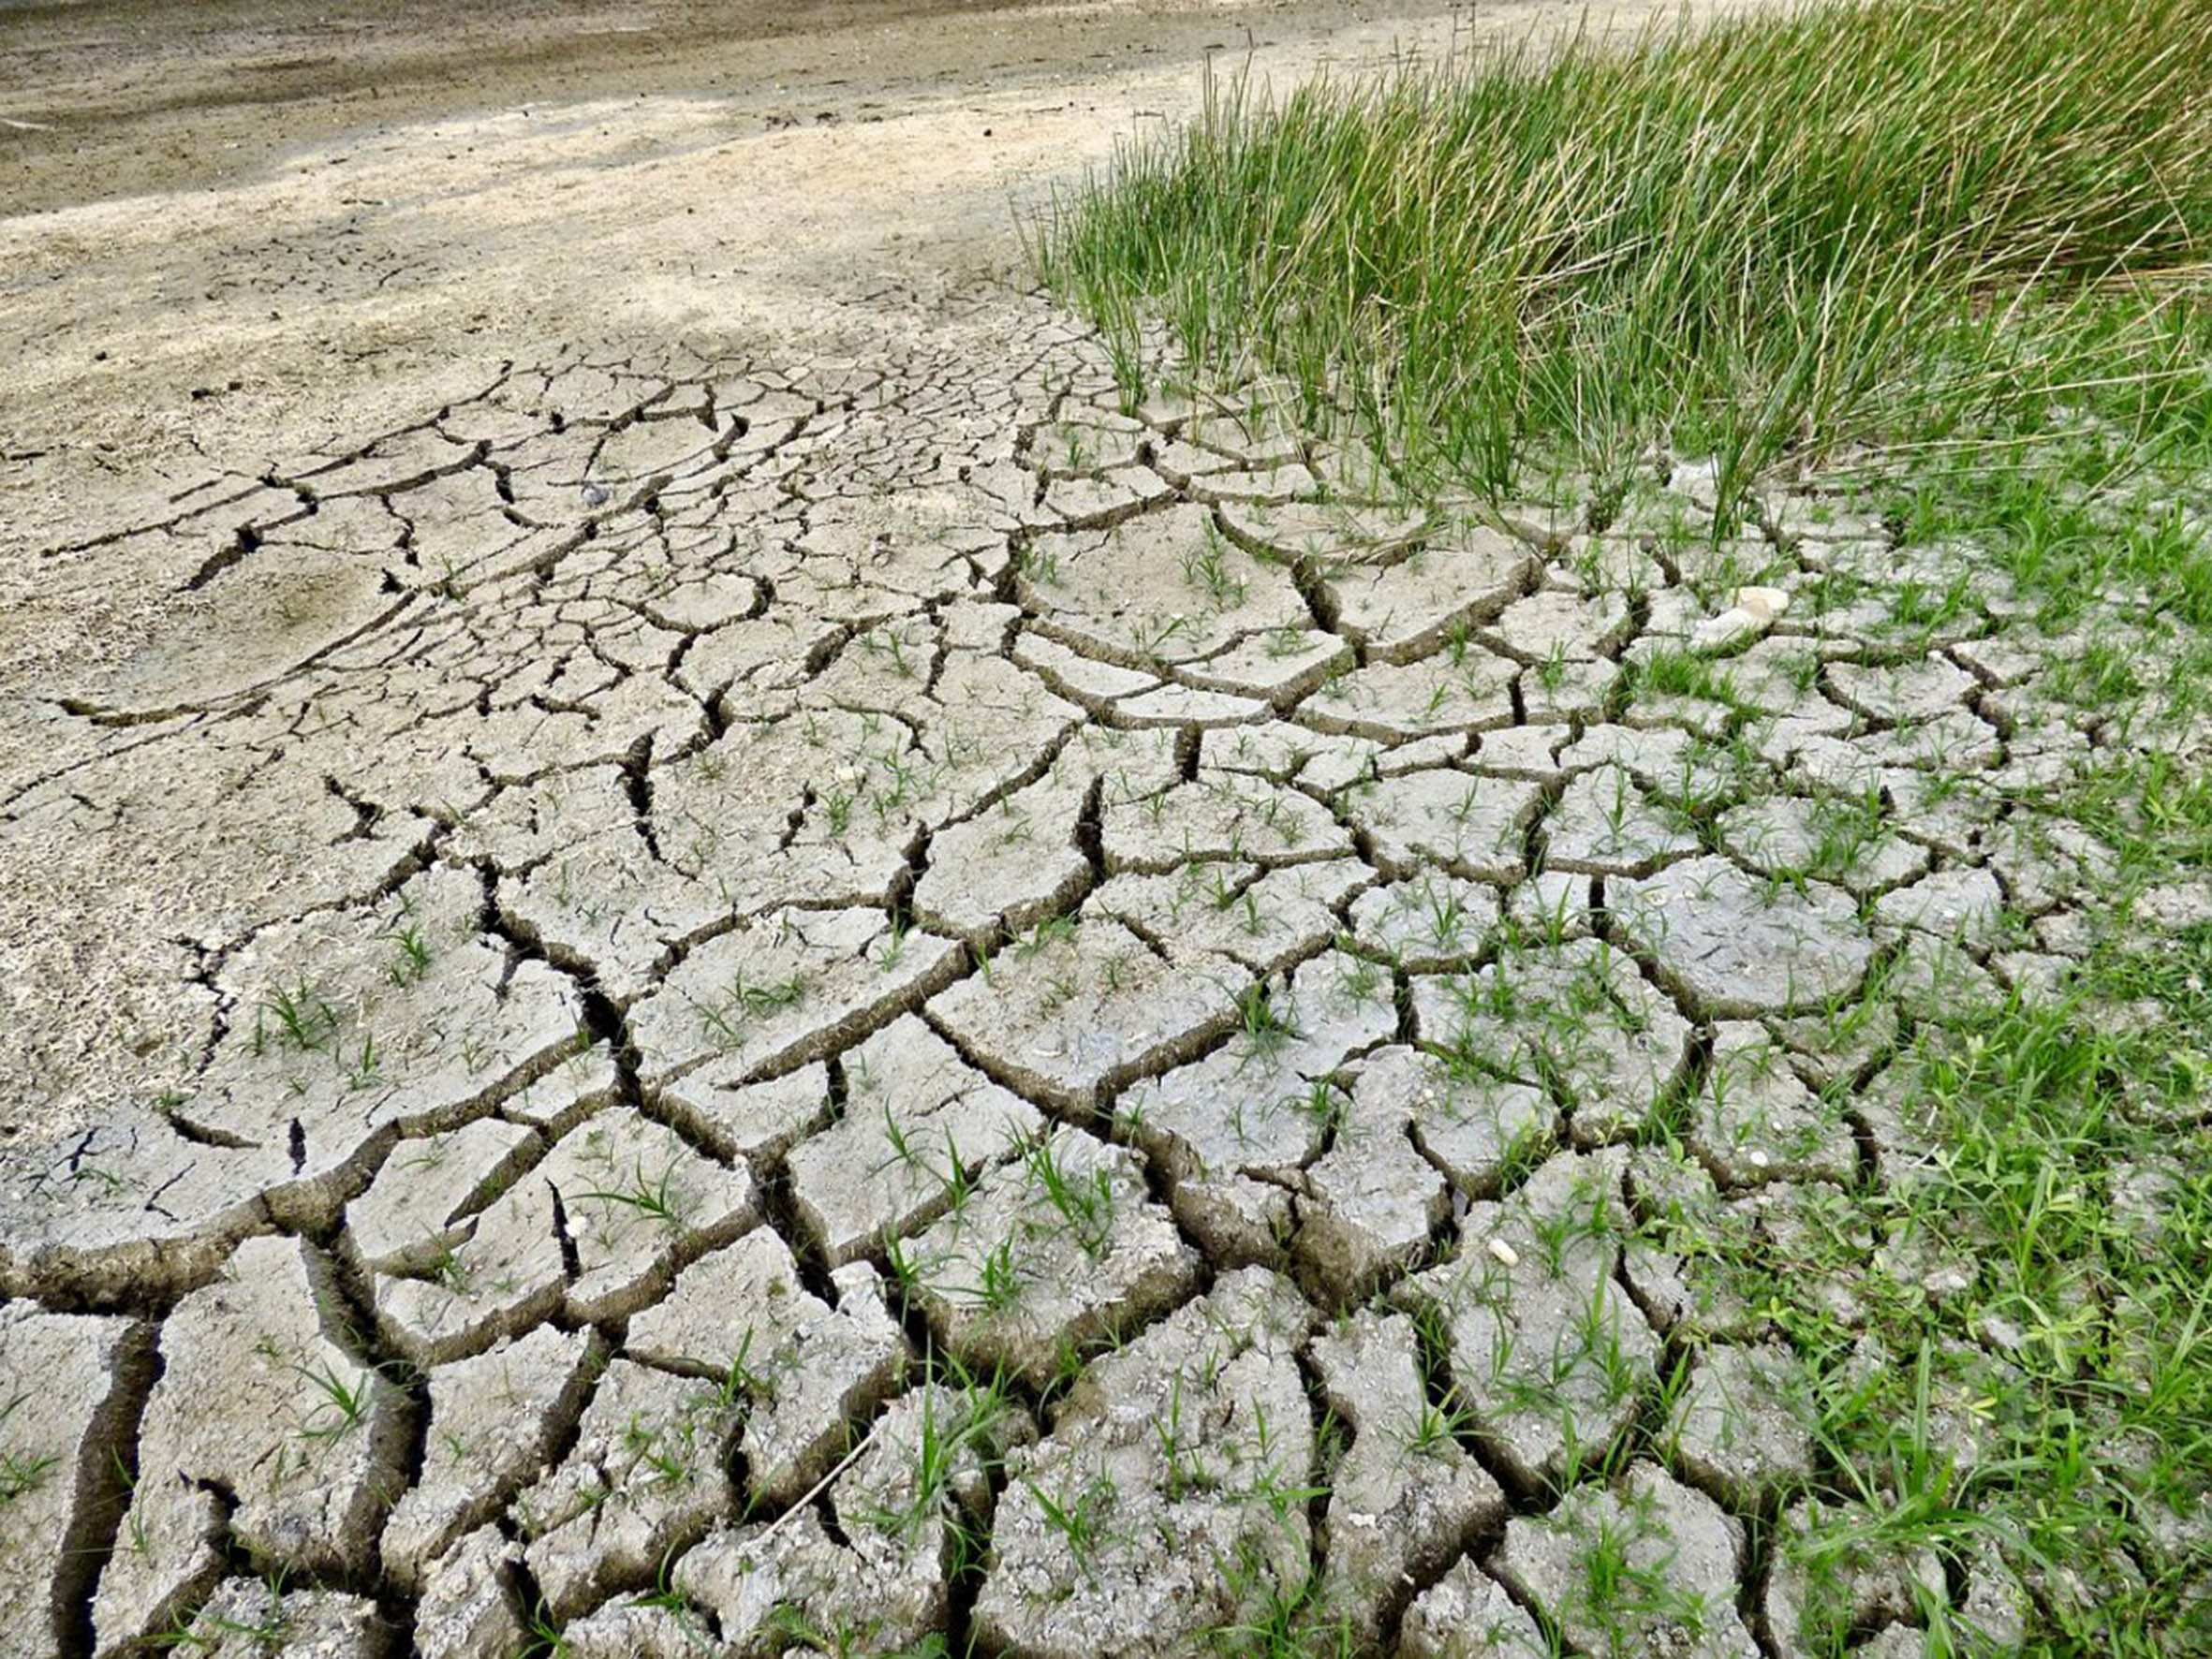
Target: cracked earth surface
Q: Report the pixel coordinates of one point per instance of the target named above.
(821, 882)
(852, 995)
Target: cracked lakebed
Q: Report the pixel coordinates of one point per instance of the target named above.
(882, 997)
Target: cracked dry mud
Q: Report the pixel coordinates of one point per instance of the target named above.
(939, 875)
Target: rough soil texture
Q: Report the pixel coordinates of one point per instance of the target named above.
(633, 853)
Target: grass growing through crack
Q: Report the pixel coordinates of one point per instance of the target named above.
(2022, 1369)
(2079, 1357)
(729, 1018)
(1084, 1202)
(1077, 1514)
(654, 1195)
(207, 1632)
(340, 1406)
(1798, 232)
(21, 1472)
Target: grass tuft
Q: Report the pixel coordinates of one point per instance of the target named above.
(1788, 235)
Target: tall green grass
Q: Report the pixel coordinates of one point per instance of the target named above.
(1791, 233)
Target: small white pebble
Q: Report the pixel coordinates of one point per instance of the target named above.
(1758, 1160)
(1505, 1253)
(1765, 603)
